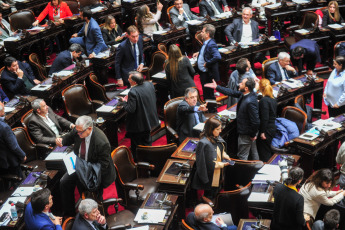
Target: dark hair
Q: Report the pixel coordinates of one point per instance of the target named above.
(242, 65)
(331, 219)
(189, 90)
(210, 29)
(250, 83)
(137, 77)
(51, 2)
(40, 199)
(76, 47)
(340, 60)
(87, 13)
(320, 176)
(8, 61)
(295, 174)
(297, 51)
(210, 125)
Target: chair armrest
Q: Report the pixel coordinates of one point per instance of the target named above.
(145, 165)
(133, 186)
(207, 201)
(292, 28)
(110, 87)
(26, 167)
(43, 150)
(172, 131)
(112, 201)
(318, 112)
(146, 72)
(121, 227)
(96, 104)
(11, 177)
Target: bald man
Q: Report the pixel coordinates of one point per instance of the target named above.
(201, 219)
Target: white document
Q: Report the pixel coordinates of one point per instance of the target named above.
(224, 15)
(9, 109)
(97, 9)
(308, 136)
(23, 191)
(159, 32)
(63, 73)
(194, 22)
(302, 31)
(11, 39)
(159, 75)
(69, 160)
(55, 156)
(125, 92)
(199, 127)
(146, 227)
(248, 43)
(153, 216)
(192, 61)
(258, 197)
(273, 5)
(40, 87)
(270, 169)
(105, 109)
(300, 1)
(223, 50)
(102, 54)
(6, 207)
(226, 112)
(264, 177)
(36, 28)
(335, 26)
(275, 93)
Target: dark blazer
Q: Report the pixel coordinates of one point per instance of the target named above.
(141, 108)
(15, 85)
(109, 38)
(125, 60)
(174, 13)
(10, 153)
(234, 30)
(288, 209)
(206, 8)
(328, 20)
(40, 131)
(99, 152)
(35, 221)
(268, 115)
(185, 120)
(192, 222)
(247, 111)
(311, 54)
(185, 78)
(3, 96)
(274, 74)
(211, 57)
(63, 60)
(81, 224)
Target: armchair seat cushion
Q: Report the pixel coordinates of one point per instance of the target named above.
(41, 165)
(121, 218)
(150, 186)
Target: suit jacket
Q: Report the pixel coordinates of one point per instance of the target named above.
(311, 54)
(38, 221)
(94, 40)
(247, 111)
(211, 57)
(40, 131)
(185, 120)
(206, 8)
(234, 81)
(125, 60)
(141, 108)
(49, 10)
(109, 38)
(99, 152)
(3, 96)
(328, 20)
(10, 153)
(15, 85)
(288, 209)
(274, 74)
(81, 224)
(192, 222)
(174, 13)
(63, 60)
(234, 30)
(5, 34)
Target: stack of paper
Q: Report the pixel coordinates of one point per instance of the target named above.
(63, 73)
(302, 31)
(105, 109)
(273, 5)
(194, 22)
(9, 109)
(193, 60)
(152, 216)
(41, 87)
(222, 50)
(199, 127)
(292, 83)
(97, 9)
(159, 32)
(160, 75)
(125, 92)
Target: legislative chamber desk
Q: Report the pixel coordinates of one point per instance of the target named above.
(132, 7)
(101, 65)
(22, 106)
(36, 6)
(171, 36)
(245, 224)
(186, 150)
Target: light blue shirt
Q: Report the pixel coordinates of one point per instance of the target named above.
(201, 60)
(335, 89)
(196, 115)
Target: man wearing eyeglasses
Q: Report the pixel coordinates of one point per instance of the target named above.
(91, 145)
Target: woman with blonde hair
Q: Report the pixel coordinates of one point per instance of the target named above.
(332, 15)
(111, 32)
(267, 113)
(148, 21)
(179, 72)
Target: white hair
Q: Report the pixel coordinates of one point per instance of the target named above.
(86, 206)
(36, 104)
(247, 8)
(283, 55)
(84, 121)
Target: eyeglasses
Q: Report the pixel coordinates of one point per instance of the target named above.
(81, 132)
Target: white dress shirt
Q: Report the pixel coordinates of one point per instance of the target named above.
(50, 124)
(247, 35)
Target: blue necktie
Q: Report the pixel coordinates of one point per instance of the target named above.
(185, 16)
(135, 56)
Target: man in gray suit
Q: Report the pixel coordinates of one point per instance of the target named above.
(181, 13)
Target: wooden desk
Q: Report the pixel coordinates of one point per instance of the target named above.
(132, 7)
(180, 154)
(13, 118)
(171, 36)
(101, 67)
(246, 223)
(36, 6)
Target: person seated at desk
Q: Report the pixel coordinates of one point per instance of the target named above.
(5, 28)
(281, 70)
(56, 11)
(66, 58)
(91, 145)
(288, 203)
(89, 217)
(332, 15)
(305, 51)
(3, 96)
(90, 35)
(37, 215)
(189, 114)
(4, 4)
(148, 21)
(129, 56)
(45, 126)
(201, 219)
(260, 5)
(111, 32)
(181, 13)
(11, 155)
(18, 77)
(212, 7)
(330, 221)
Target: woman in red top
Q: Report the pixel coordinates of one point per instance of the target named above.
(56, 10)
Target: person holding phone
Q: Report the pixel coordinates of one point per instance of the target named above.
(148, 21)
(112, 32)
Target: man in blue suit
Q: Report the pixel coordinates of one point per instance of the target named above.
(66, 58)
(90, 36)
(207, 62)
(37, 215)
(129, 56)
(11, 155)
(281, 70)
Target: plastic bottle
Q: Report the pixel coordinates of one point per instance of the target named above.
(14, 212)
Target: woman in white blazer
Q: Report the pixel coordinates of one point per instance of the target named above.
(148, 21)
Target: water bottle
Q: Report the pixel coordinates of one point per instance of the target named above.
(14, 212)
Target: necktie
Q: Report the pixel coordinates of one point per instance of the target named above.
(286, 76)
(82, 149)
(95, 225)
(215, 10)
(185, 16)
(135, 56)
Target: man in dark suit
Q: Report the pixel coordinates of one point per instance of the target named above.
(189, 114)
(243, 30)
(330, 221)
(89, 217)
(11, 155)
(18, 77)
(37, 215)
(207, 62)
(281, 70)
(66, 58)
(129, 56)
(44, 125)
(212, 7)
(90, 144)
(90, 35)
(305, 51)
(247, 113)
(140, 105)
